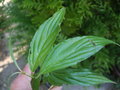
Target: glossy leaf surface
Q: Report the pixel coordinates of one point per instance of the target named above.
(72, 51)
(44, 38)
(76, 77)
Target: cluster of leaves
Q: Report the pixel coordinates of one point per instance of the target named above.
(55, 61)
(83, 17)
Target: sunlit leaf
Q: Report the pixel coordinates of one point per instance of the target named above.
(72, 51)
(76, 77)
(44, 38)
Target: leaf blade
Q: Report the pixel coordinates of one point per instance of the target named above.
(82, 77)
(72, 51)
(44, 38)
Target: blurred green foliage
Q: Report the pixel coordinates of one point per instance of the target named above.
(83, 17)
(2, 16)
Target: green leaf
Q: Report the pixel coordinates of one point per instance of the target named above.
(72, 51)
(44, 38)
(76, 77)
